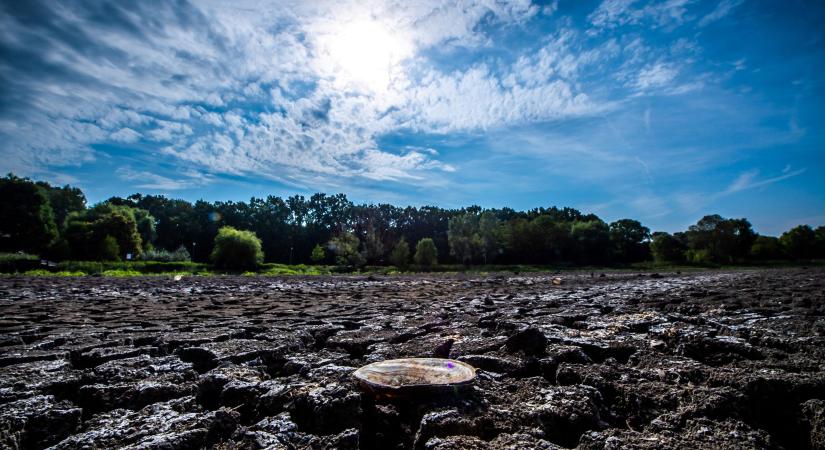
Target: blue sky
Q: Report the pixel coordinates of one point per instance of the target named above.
(662, 111)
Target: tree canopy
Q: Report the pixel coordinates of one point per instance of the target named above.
(55, 221)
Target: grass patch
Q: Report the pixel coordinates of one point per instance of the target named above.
(48, 273)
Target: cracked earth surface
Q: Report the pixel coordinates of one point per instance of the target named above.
(731, 359)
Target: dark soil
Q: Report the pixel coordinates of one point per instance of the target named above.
(700, 360)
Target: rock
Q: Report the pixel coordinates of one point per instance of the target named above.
(37, 422)
(325, 409)
(491, 363)
(531, 341)
(814, 413)
(568, 412)
(443, 350)
(449, 422)
(203, 360)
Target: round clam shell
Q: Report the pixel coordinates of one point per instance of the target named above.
(406, 376)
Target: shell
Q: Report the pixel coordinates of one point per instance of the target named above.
(401, 377)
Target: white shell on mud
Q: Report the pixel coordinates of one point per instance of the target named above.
(397, 376)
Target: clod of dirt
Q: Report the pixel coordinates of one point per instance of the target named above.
(531, 341)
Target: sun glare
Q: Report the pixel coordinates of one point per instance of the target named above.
(366, 53)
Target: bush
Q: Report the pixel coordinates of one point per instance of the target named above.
(400, 255)
(18, 262)
(237, 249)
(318, 254)
(181, 254)
(699, 256)
(426, 255)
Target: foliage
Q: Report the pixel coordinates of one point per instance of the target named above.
(318, 254)
(723, 240)
(667, 248)
(373, 247)
(490, 233)
(799, 242)
(290, 230)
(26, 217)
(86, 232)
(108, 250)
(181, 254)
(345, 247)
(766, 248)
(465, 242)
(237, 249)
(426, 253)
(63, 200)
(592, 241)
(819, 233)
(400, 255)
(629, 241)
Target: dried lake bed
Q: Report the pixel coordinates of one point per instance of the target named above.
(712, 359)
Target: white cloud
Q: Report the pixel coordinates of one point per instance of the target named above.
(656, 76)
(149, 180)
(723, 8)
(126, 135)
(614, 13)
(748, 180)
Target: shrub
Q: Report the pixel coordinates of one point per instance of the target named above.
(181, 254)
(400, 255)
(699, 256)
(318, 254)
(426, 255)
(237, 249)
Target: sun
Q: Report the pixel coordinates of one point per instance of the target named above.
(366, 53)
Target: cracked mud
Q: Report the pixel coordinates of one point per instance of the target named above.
(699, 360)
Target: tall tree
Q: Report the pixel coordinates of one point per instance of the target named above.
(26, 217)
(629, 240)
(799, 242)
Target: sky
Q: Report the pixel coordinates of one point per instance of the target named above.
(662, 111)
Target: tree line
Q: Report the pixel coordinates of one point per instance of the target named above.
(56, 223)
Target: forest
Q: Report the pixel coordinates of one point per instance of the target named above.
(55, 223)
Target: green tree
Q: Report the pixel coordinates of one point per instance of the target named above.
(26, 217)
(667, 248)
(318, 254)
(426, 254)
(820, 241)
(400, 255)
(63, 200)
(345, 247)
(799, 242)
(108, 250)
(551, 238)
(237, 249)
(86, 229)
(717, 239)
(462, 234)
(373, 247)
(592, 241)
(629, 240)
(145, 224)
(766, 248)
(489, 232)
